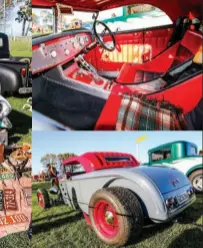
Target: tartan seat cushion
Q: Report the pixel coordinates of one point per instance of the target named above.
(139, 113)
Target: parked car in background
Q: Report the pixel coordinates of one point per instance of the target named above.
(183, 156)
(15, 73)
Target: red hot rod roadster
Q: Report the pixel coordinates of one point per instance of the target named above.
(110, 74)
(116, 194)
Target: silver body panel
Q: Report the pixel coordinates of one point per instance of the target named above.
(145, 182)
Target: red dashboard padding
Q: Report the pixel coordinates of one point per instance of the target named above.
(159, 64)
(185, 95)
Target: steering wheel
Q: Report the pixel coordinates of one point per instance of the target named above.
(99, 37)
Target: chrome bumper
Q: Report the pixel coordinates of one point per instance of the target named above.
(182, 207)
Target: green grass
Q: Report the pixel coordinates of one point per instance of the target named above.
(61, 227)
(21, 48)
(21, 121)
(15, 240)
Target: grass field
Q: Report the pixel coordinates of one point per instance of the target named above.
(61, 227)
(21, 49)
(21, 121)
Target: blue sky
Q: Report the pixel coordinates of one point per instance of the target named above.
(81, 142)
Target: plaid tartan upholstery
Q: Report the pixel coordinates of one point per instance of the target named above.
(139, 113)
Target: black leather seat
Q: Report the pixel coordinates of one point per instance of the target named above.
(194, 119)
(181, 26)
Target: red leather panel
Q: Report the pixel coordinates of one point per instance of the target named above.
(121, 39)
(185, 95)
(158, 39)
(183, 54)
(192, 40)
(108, 117)
(190, 44)
(86, 77)
(159, 64)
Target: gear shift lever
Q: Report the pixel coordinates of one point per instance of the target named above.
(87, 66)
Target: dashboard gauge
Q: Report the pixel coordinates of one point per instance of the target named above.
(57, 51)
(66, 52)
(82, 41)
(53, 54)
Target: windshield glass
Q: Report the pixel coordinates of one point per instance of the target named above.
(136, 16)
(132, 17)
(42, 21)
(191, 150)
(79, 19)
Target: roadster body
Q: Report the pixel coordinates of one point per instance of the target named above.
(116, 193)
(82, 75)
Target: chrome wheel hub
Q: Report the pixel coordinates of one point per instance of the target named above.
(197, 183)
(109, 217)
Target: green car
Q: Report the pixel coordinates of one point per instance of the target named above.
(181, 155)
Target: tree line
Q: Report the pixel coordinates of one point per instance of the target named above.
(55, 159)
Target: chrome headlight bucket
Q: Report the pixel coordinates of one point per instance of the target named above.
(5, 123)
(5, 107)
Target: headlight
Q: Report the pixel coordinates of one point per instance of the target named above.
(5, 108)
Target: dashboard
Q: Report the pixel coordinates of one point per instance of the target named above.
(52, 50)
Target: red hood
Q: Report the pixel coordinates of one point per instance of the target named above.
(173, 8)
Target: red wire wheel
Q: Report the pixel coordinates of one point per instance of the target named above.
(106, 219)
(116, 215)
(43, 198)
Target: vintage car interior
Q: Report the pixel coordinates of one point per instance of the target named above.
(79, 75)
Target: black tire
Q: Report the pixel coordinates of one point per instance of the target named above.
(193, 177)
(43, 198)
(128, 211)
